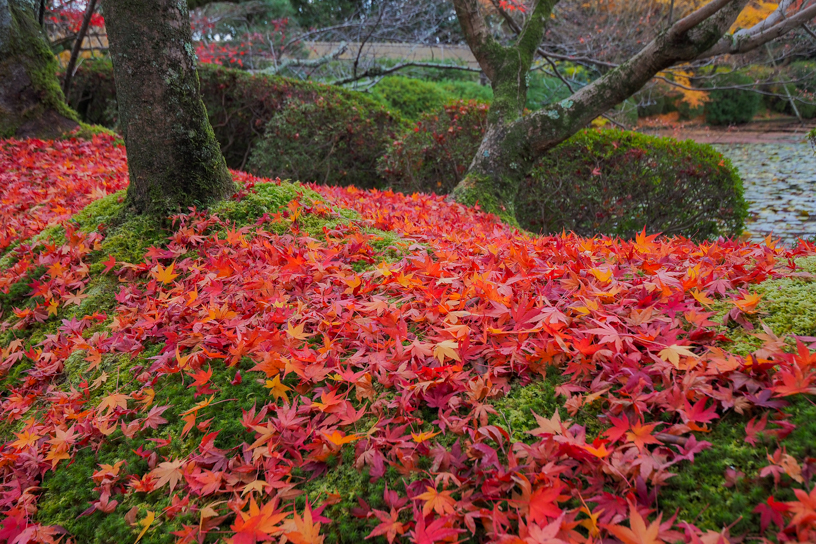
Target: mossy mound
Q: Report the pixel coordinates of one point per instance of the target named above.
(67, 493)
(354, 357)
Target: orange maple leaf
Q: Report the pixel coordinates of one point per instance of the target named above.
(440, 502)
(164, 274)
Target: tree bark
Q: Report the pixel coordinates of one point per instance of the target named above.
(173, 157)
(31, 101)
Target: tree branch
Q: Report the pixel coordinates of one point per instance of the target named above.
(681, 43)
(380, 72)
(698, 16)
(307, 63)
(532, 32)
(69, 70)
(759, 34)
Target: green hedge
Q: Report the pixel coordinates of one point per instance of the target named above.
(333, 140)
(615, 182)
(435, 155)
(238, 103)
(410, 97)
(414, 97)
(731, 106)
(467, 90)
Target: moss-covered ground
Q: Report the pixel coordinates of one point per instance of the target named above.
(722, 486)
(67, 493)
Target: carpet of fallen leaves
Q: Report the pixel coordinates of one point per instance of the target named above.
(384, 362)
(46, 183)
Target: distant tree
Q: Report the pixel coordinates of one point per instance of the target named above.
(31, 101)
(514, 139)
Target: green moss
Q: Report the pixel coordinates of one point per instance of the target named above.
(343, 480)
(88, 131)
(68, 491)
(788, 308)
(482, 190)
(515, 410)
(268, 198)
(700, 490)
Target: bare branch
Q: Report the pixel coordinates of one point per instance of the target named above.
(696, 17)
(307, 63)
(379, 72)
(69, 70)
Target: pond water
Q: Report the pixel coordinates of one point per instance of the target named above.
(780, 187)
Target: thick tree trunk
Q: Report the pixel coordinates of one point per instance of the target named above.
(173, 157)
(31, 101)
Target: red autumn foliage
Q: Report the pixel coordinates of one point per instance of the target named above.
(45, 183)
(355, 358)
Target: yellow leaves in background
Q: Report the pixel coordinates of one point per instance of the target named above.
(754, 13)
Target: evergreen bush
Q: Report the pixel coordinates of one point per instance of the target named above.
(434, 156)
(467, 90)
(730, 106)
(410, 97)
(333, 140)
(616, 182)
(239, 104)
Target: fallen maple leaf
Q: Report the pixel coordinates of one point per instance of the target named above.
(165, 274)
(672, 354)
(440, 502)
(146, 523)
(168, 472)
(637, 532)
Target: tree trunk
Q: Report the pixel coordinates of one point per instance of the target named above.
(173, 157)
(31, 101)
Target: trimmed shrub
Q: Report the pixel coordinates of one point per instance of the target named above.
(334, 140)
(239, 104)
(615, 182)
(731, 106)
(598, 182)
(434, 156)
(467, 90)
(410, 97)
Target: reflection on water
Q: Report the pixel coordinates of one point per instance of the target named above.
(780, 187)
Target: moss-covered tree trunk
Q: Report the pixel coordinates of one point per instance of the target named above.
(514, 140)
(31, 101)
(173, 157)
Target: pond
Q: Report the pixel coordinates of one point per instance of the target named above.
(780, 187)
